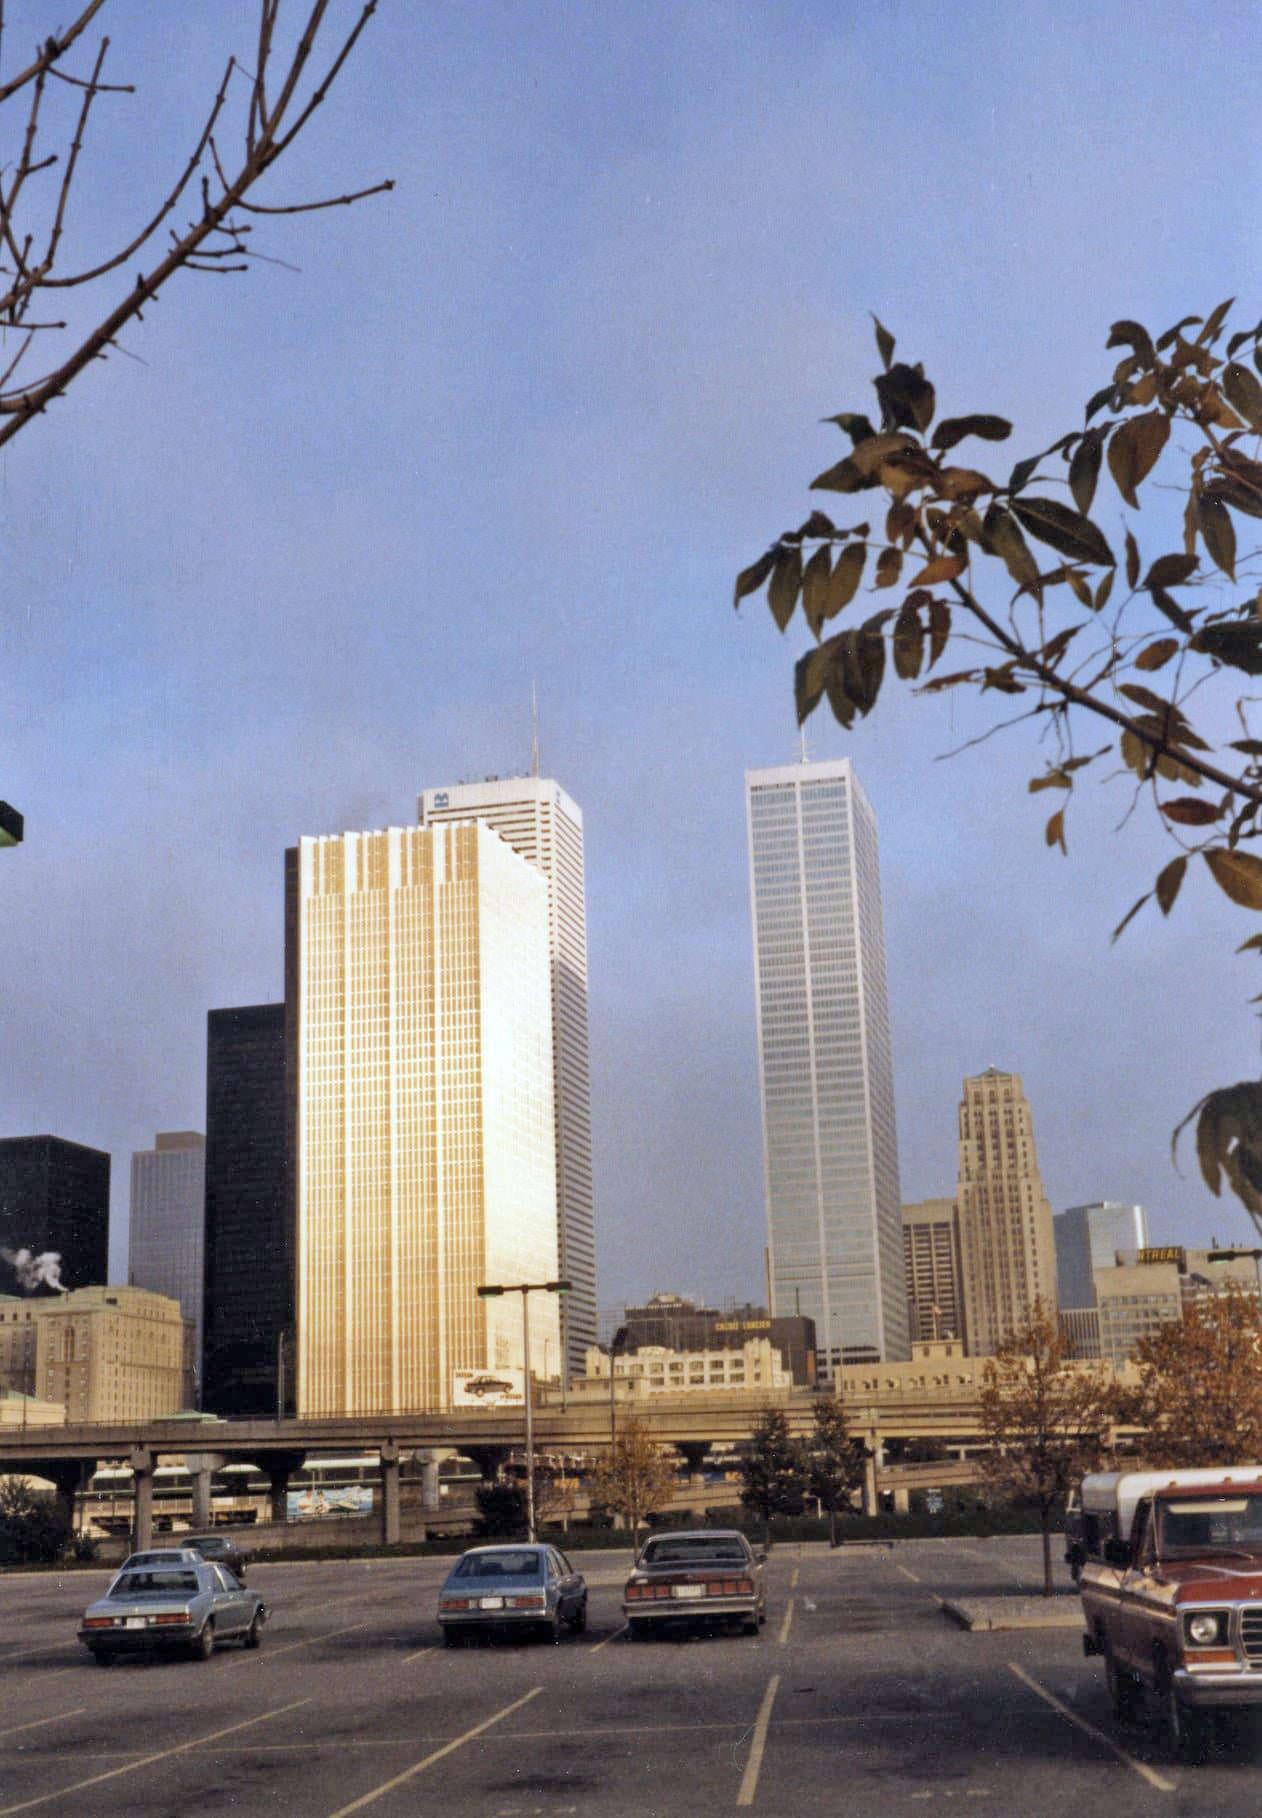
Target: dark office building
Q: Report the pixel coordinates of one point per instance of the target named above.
(681, 1325)
(249, 1258)
(54, 1215)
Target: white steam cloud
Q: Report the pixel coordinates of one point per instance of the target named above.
(42, 1271)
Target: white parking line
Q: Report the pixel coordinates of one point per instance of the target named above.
(419, 1655)
(419, 1767)
(783, 1636)
(749, 1779)
(608, 1638)
(41, 1721)
(130, 1767)
(793, 1582)
(907, 1574)
(1139, 1767)
(310, 1642)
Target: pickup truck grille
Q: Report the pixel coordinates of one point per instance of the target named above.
(1251, 1633)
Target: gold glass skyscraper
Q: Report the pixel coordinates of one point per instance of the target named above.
(424, 1142)
(1007, 1246)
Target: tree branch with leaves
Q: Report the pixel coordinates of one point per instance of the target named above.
(1200, 1395)
(635, 1477)
(1076, 634)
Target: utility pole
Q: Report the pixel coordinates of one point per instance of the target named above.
(491, 1291)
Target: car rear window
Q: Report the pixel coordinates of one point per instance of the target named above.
(687, 1551)
(155, 1583)
(510, 1563)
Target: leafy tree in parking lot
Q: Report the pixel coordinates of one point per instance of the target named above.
(1142, 664)
(501, 1510)
(775, 1472)
(1046, 1419)
(32, 1528)
(636, 1475)
(835, 1459)
(1200, 1393)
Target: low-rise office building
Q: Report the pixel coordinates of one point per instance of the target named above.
(1147, 1288)
(105, 1355)
(658, 1370)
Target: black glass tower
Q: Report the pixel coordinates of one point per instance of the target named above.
(249, 1254)
(54, 1215)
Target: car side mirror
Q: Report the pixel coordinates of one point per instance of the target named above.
(1117, 1553)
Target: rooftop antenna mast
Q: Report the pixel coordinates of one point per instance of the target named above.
(802, 736)
(534, 730)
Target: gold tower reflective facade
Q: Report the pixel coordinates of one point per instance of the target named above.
(1007, 1246)
(425, 1148)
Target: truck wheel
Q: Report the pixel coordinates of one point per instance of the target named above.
(1122, 1688)
(1186, 1730)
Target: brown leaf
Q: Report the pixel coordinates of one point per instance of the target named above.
(1003, 533)
(1136, 755)
(809, 677)
(1218, 530)
(1132, 562)
(884, 343)
(1103, 591)
(1189, 811)
(1054, 832)
(1052, 779)
(939, 629)
(846, 575)
(786, 579)
(1133, 451)
(1131, 334)
(1238, 874)
(900, 522)
(1156, 654)
(843, 476)
(906, 397)
(750, 579)
(1244, 394)
(815, 588)
(1214, 324)
(963, 483)
(1130, 914)
(1169, 881)
(1084, 469)
(1067, 532)
(940, 568)
(1170, 571)
(954, 429)
(909, 644)
(889, 565)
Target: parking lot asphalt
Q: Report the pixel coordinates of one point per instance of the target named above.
(858, 1697)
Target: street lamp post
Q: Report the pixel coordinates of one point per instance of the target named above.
(491, 1291)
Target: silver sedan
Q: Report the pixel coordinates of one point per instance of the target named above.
(186, 1607)
(530, 1586)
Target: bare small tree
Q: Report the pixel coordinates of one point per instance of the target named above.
(635, 1477)
(201, 222)
(1046, 1419)
(1200, 1394)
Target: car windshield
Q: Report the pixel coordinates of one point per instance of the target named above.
(1205, 1524)
(512, 1562)
(693, 1548)
(155, 1584)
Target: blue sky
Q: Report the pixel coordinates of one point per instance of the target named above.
(525, 417)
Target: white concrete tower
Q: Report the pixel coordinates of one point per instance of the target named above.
(830, 1150)
(541, 822)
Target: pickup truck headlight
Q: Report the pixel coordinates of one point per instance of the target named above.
(1206, 1628)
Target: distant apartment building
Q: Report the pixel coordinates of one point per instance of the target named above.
(17, 1410)
(675, 1323)
(659, 1370)
(1007, 1248)
(931, 1260)
(825, 1072)
(54, 1215)
(248, 1259)
(1080, 1331)
(167, 1229)
(1145, 1289)
(419, 977)
(106, 1355)
(545, 826)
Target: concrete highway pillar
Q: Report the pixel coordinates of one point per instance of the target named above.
(488, 1459)
(141, 1462)
(693, 1452)
(201, 1467)
(430, 1493)
(389, 1455)
(870, 1505)
(278, 1468)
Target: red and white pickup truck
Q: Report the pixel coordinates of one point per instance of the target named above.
(1171, 1589)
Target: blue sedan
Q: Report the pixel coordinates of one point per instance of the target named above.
(185, 1608)
(527, 1587)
